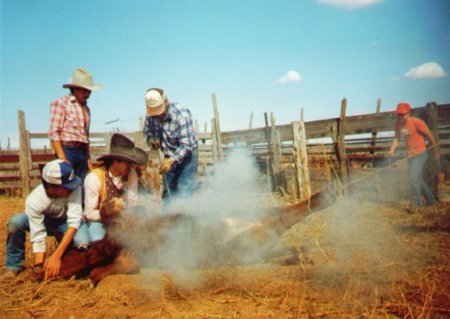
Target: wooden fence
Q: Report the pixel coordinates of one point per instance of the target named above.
(338, 141)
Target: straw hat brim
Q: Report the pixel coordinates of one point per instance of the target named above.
(157, 110)
(94, 87)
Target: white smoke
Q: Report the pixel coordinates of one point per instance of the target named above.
(227, 203)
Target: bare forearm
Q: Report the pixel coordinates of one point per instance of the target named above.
(59, 151)
(65, 241)
(393, 146)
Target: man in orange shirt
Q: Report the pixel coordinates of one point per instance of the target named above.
(413, 131)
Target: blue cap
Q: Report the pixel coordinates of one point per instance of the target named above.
(58, 172)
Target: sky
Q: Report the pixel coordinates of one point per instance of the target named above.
(278, 56)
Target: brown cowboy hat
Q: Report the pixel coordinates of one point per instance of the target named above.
(123, 149)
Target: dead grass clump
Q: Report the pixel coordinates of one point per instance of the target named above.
(357, 260)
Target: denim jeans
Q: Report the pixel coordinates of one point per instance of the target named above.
(88, 233)
(79, 160)
(418, 185)
(17, 227)
(180, 181)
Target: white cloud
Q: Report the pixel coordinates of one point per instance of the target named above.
(350, 4)
(429, 70)
(395, 78)
(291, 76)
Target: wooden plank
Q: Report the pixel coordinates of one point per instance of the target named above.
(374, 133)
(204, 136)
(23, 155)
(276, 155)
(269, 160)
(206, 147)
(341, 157)
(306, 187)
(217, 130)
(434, 167)
(16, 174)
(297, 161)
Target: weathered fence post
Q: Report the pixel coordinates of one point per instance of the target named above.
(217, 132)
(276, 151)
(341, 155)
(139, 134)
(301, 160)
(434, 167)
(374, 133)
(250, 124)
(196, 127)
(214, 142)
(269, 153)
(24, 151)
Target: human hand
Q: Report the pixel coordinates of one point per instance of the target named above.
(111, 209)
(115, 205)
(437, 156)
(52, 267)
(166, 165)
(390, 152)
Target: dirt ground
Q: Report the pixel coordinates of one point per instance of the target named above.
(358, 259)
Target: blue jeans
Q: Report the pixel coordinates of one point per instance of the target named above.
(181, 179)
(17, 227)
(418, 185)
(88, 233)
(79, 160)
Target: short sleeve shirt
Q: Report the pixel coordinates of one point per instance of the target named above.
(412, 132)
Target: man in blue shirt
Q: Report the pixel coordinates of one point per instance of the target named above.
(169, 126)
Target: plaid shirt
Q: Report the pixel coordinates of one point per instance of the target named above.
(66, 121)
(175, 133)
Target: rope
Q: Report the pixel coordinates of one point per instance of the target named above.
(383, 169)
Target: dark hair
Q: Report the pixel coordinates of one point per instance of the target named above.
(108, 162)
(47, 185)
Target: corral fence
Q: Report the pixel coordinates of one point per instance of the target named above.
(298, 158)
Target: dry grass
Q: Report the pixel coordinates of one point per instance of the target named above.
(357, 260)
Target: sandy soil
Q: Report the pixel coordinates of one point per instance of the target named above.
(358, 259)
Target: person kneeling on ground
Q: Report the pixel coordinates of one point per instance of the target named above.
(109, 188)
(52, 208)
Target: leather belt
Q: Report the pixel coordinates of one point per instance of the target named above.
(80, 145)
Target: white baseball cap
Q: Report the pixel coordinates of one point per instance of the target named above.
(155, 101)
(58, 172)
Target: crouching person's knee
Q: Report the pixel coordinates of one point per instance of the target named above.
(17, 223)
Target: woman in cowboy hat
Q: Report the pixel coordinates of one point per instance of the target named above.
(108, 188)
(70, 120)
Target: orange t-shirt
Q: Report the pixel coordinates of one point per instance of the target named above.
(413, 132)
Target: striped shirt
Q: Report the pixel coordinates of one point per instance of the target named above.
(66, 121)
(175, 133)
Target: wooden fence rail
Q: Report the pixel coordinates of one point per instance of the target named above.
(341, 140)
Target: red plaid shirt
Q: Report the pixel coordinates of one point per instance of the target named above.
(66, 121)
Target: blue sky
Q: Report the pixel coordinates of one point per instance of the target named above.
(261, 56)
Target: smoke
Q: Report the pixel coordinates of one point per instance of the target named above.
(354, 240)
(201, 231)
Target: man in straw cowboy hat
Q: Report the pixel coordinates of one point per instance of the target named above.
(108, 188)
(52, 208)
(413, 131)
(70, 120)
(169, 125)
